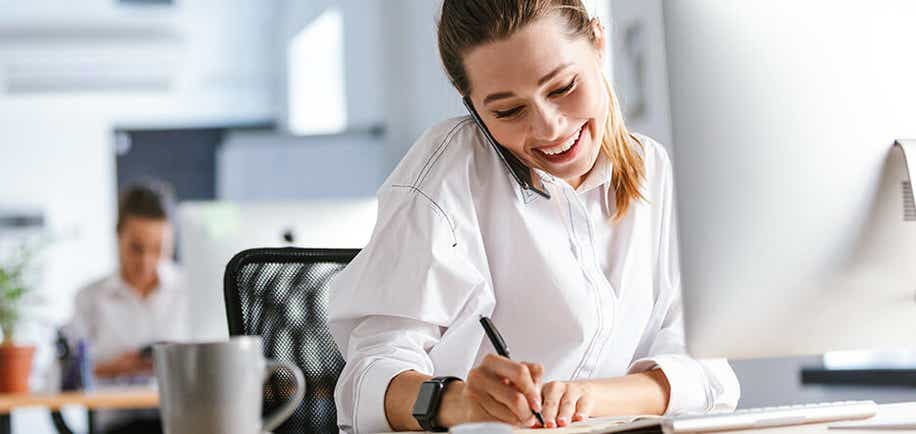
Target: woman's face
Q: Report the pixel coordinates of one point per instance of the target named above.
(542, 96)
(142, 243)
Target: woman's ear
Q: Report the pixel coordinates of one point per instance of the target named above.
(599, 37)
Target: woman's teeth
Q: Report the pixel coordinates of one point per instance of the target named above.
(559, 149)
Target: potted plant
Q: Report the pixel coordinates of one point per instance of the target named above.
(15, 360)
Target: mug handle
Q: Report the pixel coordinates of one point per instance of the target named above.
(274, 420)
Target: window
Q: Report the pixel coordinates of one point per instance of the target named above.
(316, 91)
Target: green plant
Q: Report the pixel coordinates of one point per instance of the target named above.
(13, 288)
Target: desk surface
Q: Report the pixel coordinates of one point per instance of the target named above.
(886, 411)
(122, 398)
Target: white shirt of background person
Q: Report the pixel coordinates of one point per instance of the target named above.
(585, 286)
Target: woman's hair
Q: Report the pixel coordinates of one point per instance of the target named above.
(466, 24)
(149, 200)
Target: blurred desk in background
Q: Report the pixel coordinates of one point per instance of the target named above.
(109, 398)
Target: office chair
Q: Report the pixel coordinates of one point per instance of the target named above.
(281, 295)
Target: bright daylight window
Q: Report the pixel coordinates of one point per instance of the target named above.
(316, 92)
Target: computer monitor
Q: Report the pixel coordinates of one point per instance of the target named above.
(211, 233)
(795, 212)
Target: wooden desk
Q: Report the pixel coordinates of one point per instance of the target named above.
(107, 398)
(885, 411)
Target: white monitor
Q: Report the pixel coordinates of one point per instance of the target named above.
(796, 219)
(211, 233)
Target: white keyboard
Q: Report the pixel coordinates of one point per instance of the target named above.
(776, 416)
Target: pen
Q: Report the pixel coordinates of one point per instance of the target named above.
(502, 349)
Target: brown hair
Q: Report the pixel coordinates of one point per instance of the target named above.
(150, 200)
(465, 24)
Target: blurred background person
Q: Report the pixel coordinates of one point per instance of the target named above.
(141, 303)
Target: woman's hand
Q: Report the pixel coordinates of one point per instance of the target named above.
(566, 402)
(503, 390)
(129, 363)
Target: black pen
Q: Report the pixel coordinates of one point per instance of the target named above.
(502, 349)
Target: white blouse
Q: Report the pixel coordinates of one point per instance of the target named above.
(457, 238)
(115, 319)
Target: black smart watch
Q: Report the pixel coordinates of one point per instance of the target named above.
(426, 407)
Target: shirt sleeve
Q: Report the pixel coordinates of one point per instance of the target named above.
(697, 385)
(81, 324)
(396, 301)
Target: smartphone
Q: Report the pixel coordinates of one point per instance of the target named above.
(517, 169)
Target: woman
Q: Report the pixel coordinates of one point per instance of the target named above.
(583, 284)
(143, 302)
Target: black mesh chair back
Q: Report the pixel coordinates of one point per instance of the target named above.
(281, 295)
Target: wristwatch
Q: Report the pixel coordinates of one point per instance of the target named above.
(426, 407)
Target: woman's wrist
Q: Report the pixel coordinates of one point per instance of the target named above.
(642, 393)
(453, 407)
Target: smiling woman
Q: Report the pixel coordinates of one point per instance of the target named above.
(583, 282)
(572, 97)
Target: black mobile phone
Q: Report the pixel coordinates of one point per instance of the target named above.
(517, 169)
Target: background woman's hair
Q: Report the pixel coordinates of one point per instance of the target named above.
(151, 200)
(465, 24)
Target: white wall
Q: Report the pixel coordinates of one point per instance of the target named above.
(418, 94)
(640, 73)
(271, 166)
(393, 78)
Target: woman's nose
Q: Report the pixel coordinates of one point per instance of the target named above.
(546, 123)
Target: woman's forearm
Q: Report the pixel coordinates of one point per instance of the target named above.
(642, 393)
(399, 399)
(129, 363)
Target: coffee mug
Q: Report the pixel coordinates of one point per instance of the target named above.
(218, 387)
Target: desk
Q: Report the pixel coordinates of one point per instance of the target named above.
(885, 411)
(121, 398)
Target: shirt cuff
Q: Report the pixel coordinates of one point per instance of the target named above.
(369, 414)
(686, 379)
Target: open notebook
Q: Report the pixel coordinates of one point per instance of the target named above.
(618, 424)
(607, 425)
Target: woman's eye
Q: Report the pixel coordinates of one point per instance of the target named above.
(565, 89)
(507, 113)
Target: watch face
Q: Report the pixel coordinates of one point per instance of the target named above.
(425, 401)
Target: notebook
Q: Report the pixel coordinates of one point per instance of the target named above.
(608, 425)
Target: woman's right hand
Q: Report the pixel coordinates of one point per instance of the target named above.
(503, 390)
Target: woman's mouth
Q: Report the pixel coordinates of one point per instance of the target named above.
(564, 151)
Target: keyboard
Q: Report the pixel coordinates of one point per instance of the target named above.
(775, 416)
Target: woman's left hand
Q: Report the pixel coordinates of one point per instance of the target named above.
(565, 402)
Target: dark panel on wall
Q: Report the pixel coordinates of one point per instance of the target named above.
(185, 158)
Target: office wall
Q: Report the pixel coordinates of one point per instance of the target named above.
(393, 80)
(636, 35)
(255, 166)
(418, 94)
